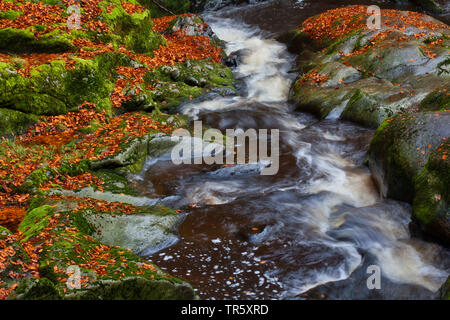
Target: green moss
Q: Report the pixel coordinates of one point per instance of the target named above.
(10, 14)
(87, 82)
(176, 84)
(318, 101)
(436, 100)
(443, 67)
(12, 121)
(169, 96)
(52, 89)
(402, 146)
(14, 261)
(389, 151)
(81, 223)
(365, 110)
(92, 127)
(37, 201)
(333, 47)
(36, 289)
(23, 41)
(4, 232)
(298, 42)
(379, 133)
(115, 183)
(74, 169)
(35, 221)
(35, 180)
(432, 195)
(71, 245)
(136, 29)
(158, 210)
(30, 95)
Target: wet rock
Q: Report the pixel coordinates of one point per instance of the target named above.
(160, 145)
(192, 82)
(141, 233)
(432, 196)
(408, 159)
(445, 290)
(131, 157)
(190, 26)
(123, 275)
(230, 62)
(370, 74)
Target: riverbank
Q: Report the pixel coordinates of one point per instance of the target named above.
(81, 109)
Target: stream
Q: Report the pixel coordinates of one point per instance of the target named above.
(311, 230)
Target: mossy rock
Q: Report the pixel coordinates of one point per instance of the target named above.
(366, 78)
(318, 101)
(400, 149)
(115, 183)
(35, 221)
(366, 110)
(16, 256)
(52, 89)
(435, 101)
(130, 158)
(192, 26)
(74, 169)
(135, 29)
(12, 121)
(36, 289)
(23, 41)
(298, 41)
(173, 85)
(432, 195)
(388, 61)
(35, 180)
(109, 272)
(134, 288)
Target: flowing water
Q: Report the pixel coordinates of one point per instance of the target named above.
(318, 223)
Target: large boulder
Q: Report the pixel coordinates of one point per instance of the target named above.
(432, 196)
(66, 243)
(367, 75)
(408, 157)
(394, 77)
